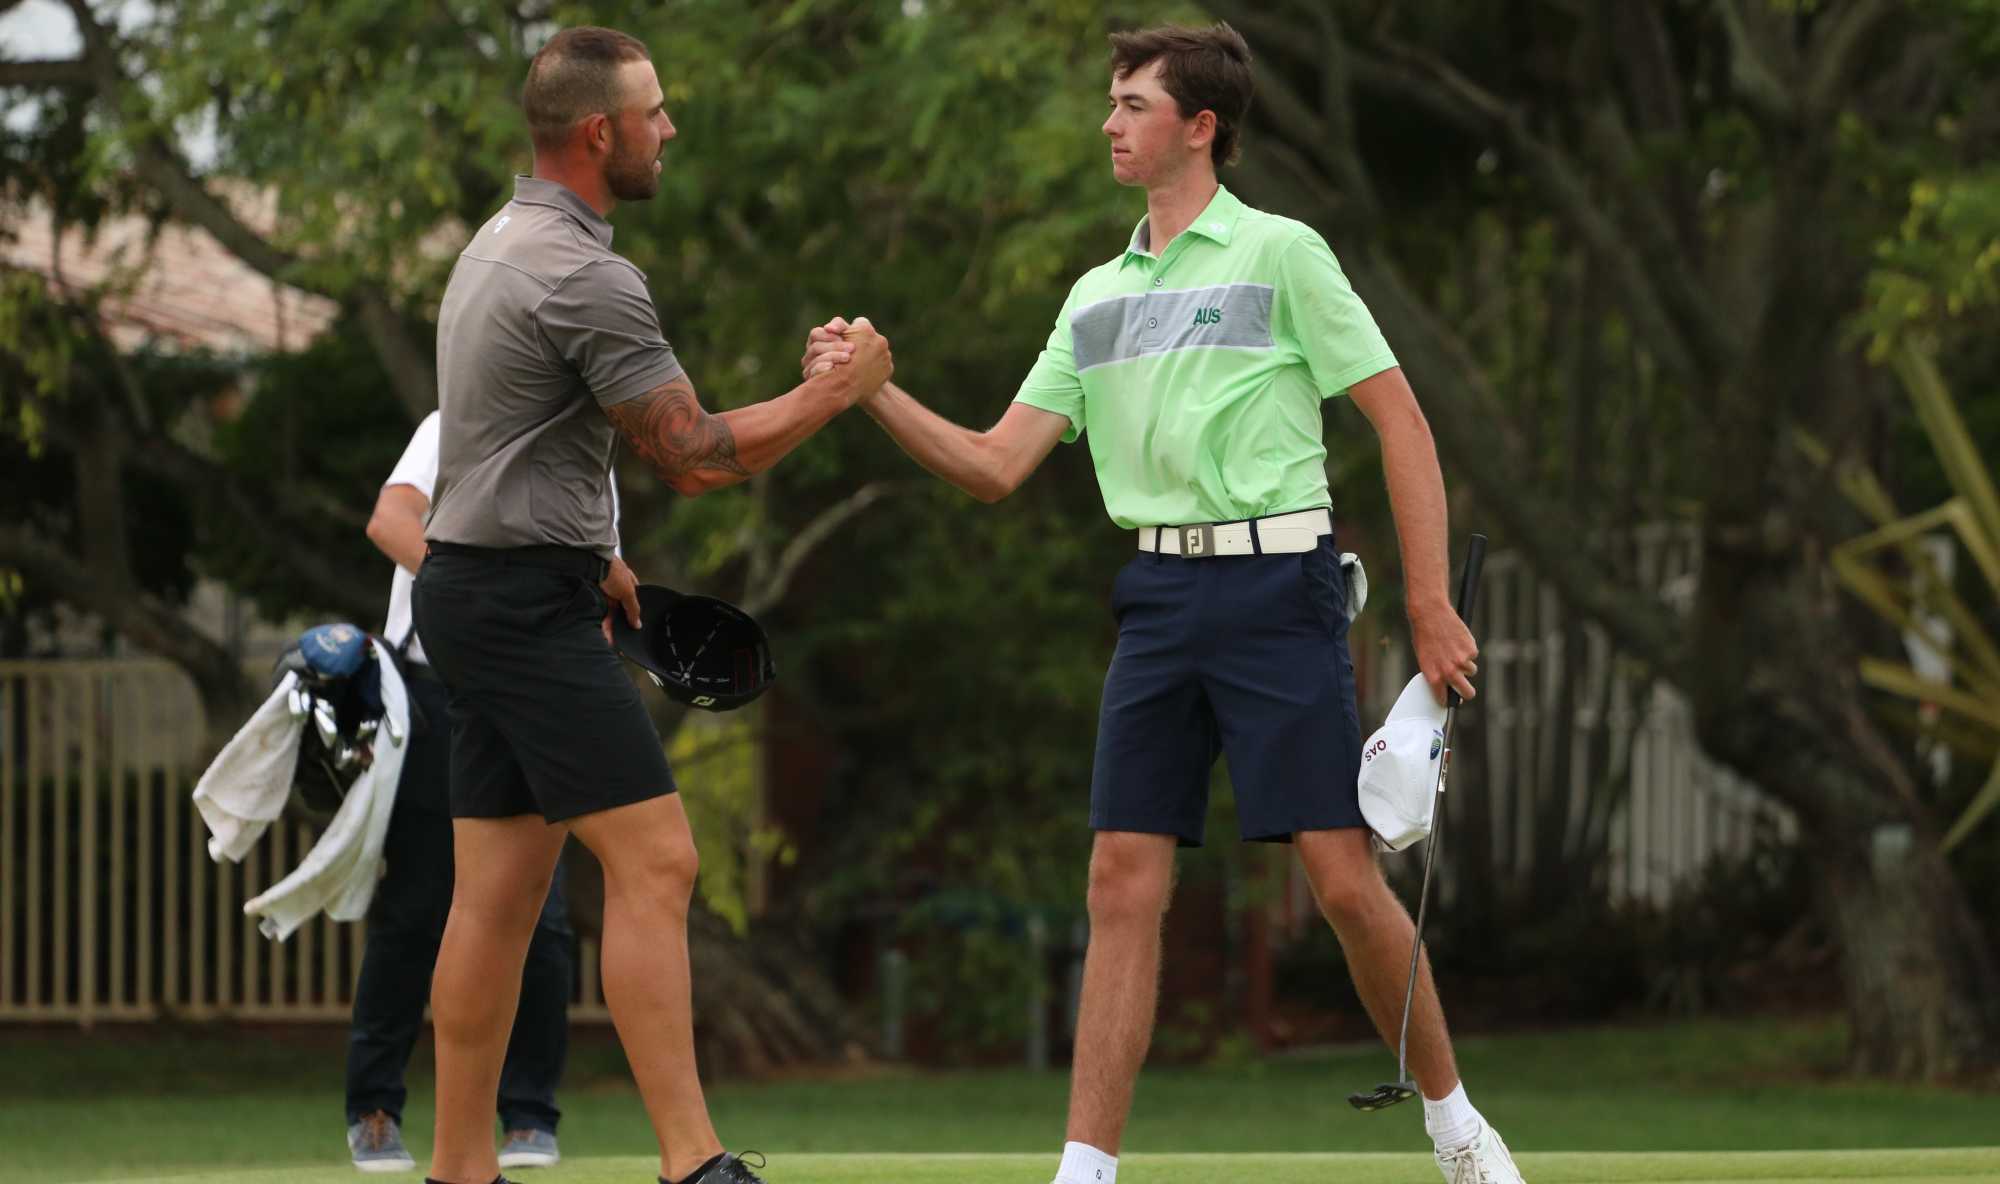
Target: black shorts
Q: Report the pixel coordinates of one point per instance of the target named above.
(1243, 655)
(544, 718)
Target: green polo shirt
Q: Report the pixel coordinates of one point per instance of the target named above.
(1198, 374)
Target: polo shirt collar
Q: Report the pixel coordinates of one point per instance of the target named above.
(1216, 222)
(536, 191)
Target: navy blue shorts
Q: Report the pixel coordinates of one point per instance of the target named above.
(1244, 655)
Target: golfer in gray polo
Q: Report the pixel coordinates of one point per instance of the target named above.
(550, 352)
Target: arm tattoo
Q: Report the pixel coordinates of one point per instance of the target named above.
(668, 428)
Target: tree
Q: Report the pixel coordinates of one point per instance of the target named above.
(1712, 179)
(1623, 251)
(379, 152)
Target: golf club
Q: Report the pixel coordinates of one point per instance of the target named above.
(1402, 1089)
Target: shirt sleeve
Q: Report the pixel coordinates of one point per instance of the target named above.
(1333, 329)
(418, 467)
(602, 322)
(1053, 385)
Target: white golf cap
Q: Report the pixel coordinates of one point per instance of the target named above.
(1399, 768)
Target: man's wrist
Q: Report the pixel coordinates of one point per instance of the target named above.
(873, 401)
(1425, 608)
(823, 392)
(877, 402)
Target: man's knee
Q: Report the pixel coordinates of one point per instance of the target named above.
(1130, 883)
(646, 851)
(1345, 878)
(661, 870)
(498, 903)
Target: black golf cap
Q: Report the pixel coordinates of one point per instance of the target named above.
(701, 651)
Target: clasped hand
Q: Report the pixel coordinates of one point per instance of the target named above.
(839, 344)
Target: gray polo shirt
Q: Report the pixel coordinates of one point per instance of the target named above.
(542, 327)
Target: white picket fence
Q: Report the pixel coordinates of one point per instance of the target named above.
(110, 908)
(1680, 809)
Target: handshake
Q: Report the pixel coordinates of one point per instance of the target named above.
(852, 352)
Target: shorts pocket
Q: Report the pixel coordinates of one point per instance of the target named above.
(1326, 588)
(599, 603)
(585, 601)
(1118, 600)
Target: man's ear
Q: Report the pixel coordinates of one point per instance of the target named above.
(597, 132)
(1201, 129)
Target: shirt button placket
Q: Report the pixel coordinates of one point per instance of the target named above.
(1149, 333)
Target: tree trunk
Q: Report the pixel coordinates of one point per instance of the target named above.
(760, 1002)
(1738, 301)
(1920, 980)
(1923, 997)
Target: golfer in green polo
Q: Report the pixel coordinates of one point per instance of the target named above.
(1195, 362)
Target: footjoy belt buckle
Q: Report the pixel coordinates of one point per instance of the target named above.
(1197, 541)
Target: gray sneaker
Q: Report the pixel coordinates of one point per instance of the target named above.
(377, 1145)
(529, 1148)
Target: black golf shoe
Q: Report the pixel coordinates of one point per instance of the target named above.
(728, 1169)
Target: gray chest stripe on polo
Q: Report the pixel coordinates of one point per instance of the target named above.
(1224, 316)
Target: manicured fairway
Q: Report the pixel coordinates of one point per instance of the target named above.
(1708, 1101)
(1681, 1167)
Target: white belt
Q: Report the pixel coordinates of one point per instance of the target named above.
(1280, 534)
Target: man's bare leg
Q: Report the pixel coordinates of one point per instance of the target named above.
(649, 867)
(500, 879)
(1375, 932)
(1131, 880)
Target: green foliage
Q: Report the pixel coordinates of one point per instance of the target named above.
(374, 123)
(937, 166)
(39, 344)
(322, 424)
(1938, 276)
(55, 368)
(716, 760)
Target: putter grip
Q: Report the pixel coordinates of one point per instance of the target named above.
(1468, 580)
(1468, 591)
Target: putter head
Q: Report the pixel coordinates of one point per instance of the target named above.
(1383, 1096)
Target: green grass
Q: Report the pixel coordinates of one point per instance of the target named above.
(1686, 1167)
(1706, 1101)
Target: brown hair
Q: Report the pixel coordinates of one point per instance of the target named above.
(1203, 69)
(573, 77)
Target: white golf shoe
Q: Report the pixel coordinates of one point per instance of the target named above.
(1485, 1160)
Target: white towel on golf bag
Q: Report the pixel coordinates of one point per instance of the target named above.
(245, 787)
(339, 874)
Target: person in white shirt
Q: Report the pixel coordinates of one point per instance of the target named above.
(406, 921)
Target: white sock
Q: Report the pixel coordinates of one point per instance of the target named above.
(1451, 1121)
(1084, 1164)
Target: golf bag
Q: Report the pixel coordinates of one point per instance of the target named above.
(337, 696)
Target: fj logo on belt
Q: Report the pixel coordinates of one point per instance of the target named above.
(1198, 540)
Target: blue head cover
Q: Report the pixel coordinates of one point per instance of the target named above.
(333, 651)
